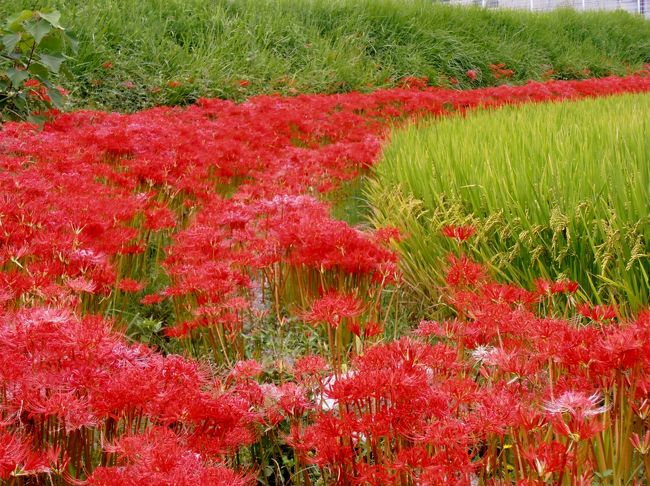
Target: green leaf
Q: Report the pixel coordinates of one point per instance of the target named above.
(52, 18)
(53, 63)
(14, 23)
(72, 42)
(37, 69)
(38, 30)
(10, 41)
(52, 43)
(17, 77)
(14, 56)
(20, 102)
(33, 46)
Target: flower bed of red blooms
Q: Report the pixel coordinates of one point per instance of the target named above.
(232, 202)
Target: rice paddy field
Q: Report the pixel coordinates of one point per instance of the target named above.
(323, 243)
(554, 191)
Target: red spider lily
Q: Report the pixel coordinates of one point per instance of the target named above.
(130, 286)
(367, 330)
(333, 307)
(543, 286)
(525, 351)
(76, 376)
(510, 294)
(37, 90)
(471, 74)
(374, 475)
(460, 233)
(309, 367)
(622, 349)
(227, 193)
(547, 287)
(564, 287)
(548, 458)
(464, 272)
(577, 404)
(183, 329)
(159, 218)
(159, 457)
(390, 394)
(81, 284)
(578, 408)
(15, 453)
(115, 155)
(293, 400)
(152, 299)
(500, 71)
(412, 82)
(597, 313)
(388, 234)
(641, 444)
(430, 328)
(245, 370)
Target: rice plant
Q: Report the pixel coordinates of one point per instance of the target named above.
(556, 190)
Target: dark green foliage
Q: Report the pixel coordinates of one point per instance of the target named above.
(32, 51)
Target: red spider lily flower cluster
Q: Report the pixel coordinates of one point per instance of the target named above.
(498, 396)
(332, 308)
(66, 382)
(168, 166)
(460, 233)
(234, 204)
(158, 457)
(563, 286)
(499, 71)
(598, 312)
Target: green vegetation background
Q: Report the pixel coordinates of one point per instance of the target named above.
(135, 54)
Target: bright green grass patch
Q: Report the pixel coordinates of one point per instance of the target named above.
(206, 48)
(554, 190)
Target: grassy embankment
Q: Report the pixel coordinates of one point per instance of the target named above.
(138, 54)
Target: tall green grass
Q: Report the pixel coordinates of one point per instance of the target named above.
(288, 46)
(554, 190)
